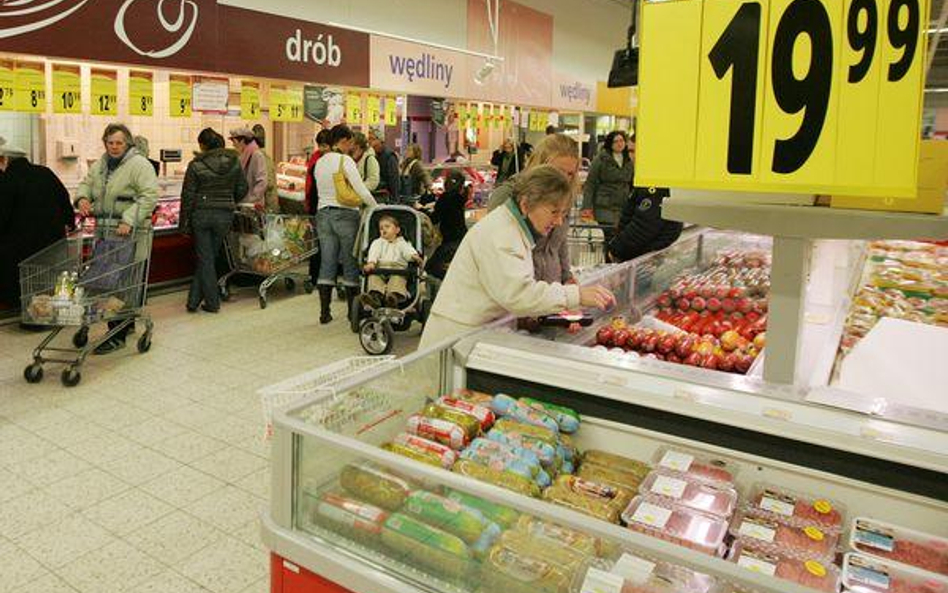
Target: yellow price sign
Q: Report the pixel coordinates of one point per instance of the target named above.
(286, 104)
(104, 92)
(7, 84)
(373, 109)
(249, 99)
(179, 92)
(792, 96)
(30, 85)
(141, 93)
(391, 111)
(67, 89)
(354, 109)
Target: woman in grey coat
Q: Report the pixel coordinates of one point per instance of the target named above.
(610, 181)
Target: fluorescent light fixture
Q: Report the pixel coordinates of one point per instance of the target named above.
(937, 90)
(481, 76)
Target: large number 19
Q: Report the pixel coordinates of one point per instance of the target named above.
(738, 48)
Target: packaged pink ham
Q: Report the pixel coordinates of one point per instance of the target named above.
(814, 574)
(864, 574)
(695, 466)
(766, 531)
(715, 499)
(798, 509)
(899, 544)
(662, 519)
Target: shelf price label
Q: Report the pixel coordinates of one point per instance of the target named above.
(30, 86)
(179, 91)
(354, 109)
(7, 84)
(793, 96)
(104, 92)
(67, 89)
(286, 104)
(141, 93)
(373, 108)
(391, 111)
(249, 99)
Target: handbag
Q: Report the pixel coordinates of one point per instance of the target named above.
(345, 195)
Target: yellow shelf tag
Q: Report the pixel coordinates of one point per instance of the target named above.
(67, 89)
(179, 92)
(104, 92)
(141, 93)
(30, 87)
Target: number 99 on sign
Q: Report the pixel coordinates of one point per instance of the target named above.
(782, 95)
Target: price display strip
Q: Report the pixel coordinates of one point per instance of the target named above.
(179, 94)
(792, 96)
(7, 84)
(391, 110)
(286, 103)
(104, 92)
(141, 93)
(30, 86)
(249, 99)
(210, 95)
(373, 108)
(67, 89)
(354, 113)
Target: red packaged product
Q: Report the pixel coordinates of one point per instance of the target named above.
(696, 467)
(711, 498)
(766, 529)
(863, 574)
(797, 509)
(483, 414)
(685, 527)
(899, 544)
(438, 430)
(809, 573)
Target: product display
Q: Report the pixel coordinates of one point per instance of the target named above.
(427, 546)
(685, 527)
(764, 529)
(809, 573)
(696, 467)
(862, 574)
(349, 516)
(411, 446)
(898, 544)
(797, 509)
(591, 498)
(375, 485)
(700, 496)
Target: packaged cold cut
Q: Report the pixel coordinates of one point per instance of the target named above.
(865, 574)
(375, 485)
(813, 573)
(446, 456)
(435, 429)
(715, 499)
(597, 469)
(503, 516)
(898, 544)
(516, 565)
(695, 466)
(509, 407)
(453, 517)
(618, 463)
(652, 574)
(421, 455)
(566, 418)
(685, 527)
(796, 508)
(591, 498)
(483, 414)
(546, 532)
(496, 455)
(545, 452)
(504, 479)
(475, 397)
(350, 517)
(470, 424)
(511, 425)
(766, 530)
(418, 543)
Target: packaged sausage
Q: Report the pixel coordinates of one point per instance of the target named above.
(566, 418)
(685, 527)
(715, 499)
(504, 479)
(470, 424)
(420, 544)
(445, 514)
(809, 573)
(864, 574)
(766, 531)
(562, 555)
(610, 475)
(445, 455)
(498, 456)
(474, 397)
(797, 509)
(509, 407)
(375, 485)
(896, 544)
(503, 516)
(515, 566)
(441, 431)
(591, 498)
(546, 532)
(483, 413)
(561, 442)
(617, 463)
(545, 453)
(350, 517)
(421, 455)
(695, 466)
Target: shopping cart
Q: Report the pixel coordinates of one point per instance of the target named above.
(587, 245)
(269, 246)
(84, 279)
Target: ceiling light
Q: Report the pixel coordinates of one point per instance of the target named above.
(484, 72)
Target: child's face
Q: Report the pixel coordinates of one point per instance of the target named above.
(388, 230)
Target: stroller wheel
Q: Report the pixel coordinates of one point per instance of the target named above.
(376, 337)
(71, 376)
(33, 373)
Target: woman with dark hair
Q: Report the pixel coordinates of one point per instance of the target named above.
(213, 184)
(337, 224)
(610, 181)
(448, 214)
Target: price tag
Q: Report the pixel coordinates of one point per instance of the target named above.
(632, 568)
(7, 84)
(30, 87)
(354, 109)
(286, 103)
(497, 119)
(652, 515)
(67, 89)
(600, 581)
(249, 99)
(104, 92)
(776, 503)
(794, 96)
(758, 530)
(373, 108)
(755, 564)
(670, 487)
(210, 95)
(676, 460)
(391, 111)
(180, 95)
(141, 93)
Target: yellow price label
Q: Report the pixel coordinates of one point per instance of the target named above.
(354, 109)
(249, 99)
(373, 109)
(30, 87)
(792, 96)
(179, 91)
(67, 89)
(391, 111)
(7, 84)
(286, 104)
(104, 92)
(141, 93)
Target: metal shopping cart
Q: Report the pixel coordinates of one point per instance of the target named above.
(587, 245)
(87, 278)
(269, 246)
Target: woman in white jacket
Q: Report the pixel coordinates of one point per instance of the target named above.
(492, 276)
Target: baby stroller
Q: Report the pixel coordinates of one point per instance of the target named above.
(377, 326)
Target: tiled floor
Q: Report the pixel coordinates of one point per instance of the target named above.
(149, 476)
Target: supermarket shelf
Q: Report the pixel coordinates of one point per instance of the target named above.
(715, 209)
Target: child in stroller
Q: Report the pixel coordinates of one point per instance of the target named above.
(390, 251)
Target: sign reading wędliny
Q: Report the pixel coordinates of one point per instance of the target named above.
(792, 96)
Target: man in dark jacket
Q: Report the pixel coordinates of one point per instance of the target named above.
(213, 184)
(641, 226)
(35, 212)
(389, 180)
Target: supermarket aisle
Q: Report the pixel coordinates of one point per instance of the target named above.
(149, 475)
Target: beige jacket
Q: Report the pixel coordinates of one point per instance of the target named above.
(491, 276)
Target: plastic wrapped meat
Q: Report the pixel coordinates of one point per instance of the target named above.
(696, 467)
(798, 509)
(685, 527)
(906, 546)
(809, 573)
(862, 574)
(765, 529)
(717, 500)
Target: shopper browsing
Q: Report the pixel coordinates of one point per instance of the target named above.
(271, 197)
(388, 189)
(506, 160)
(415, 181)
(492, 274)
(213, 183)
(610, 181)
(390, 251)
(254, 164)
